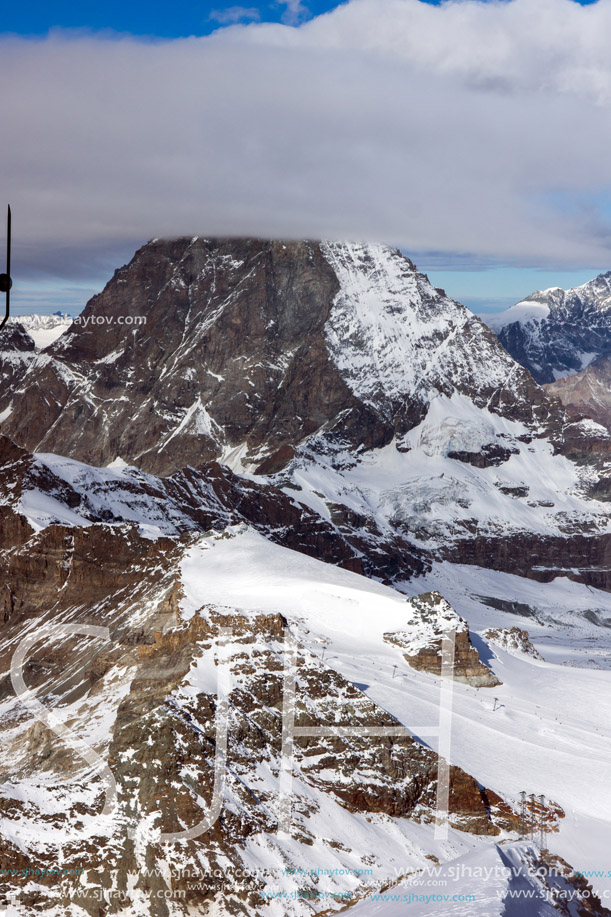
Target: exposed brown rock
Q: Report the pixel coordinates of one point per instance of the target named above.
(240, 323)
(203, 498)
(587, 393)
(512, 639)
(430, 617)
(162, 753)
(578, 556)
(569, 892)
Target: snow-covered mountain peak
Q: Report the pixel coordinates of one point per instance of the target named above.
(525, 311)
(556, 332)
(384, 320)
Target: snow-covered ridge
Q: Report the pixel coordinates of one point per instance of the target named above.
(425, 485)
(538, 305)
(117, 492)
(393, 335)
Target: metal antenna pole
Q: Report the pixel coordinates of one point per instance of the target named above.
(5, 279)
(8, 260)
(532, 815)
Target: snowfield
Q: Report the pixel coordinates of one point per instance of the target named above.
(550, 733)
(416, 486)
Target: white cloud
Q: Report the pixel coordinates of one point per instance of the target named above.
(233, 14)
(521, 44)
(468, 128)
(296, 11)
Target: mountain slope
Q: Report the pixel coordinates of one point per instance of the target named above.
(145, 699)
(47, 490)
(555, 332)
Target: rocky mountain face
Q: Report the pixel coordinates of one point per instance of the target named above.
(20, 340)
(48, 489)
(145, 699)
(248, 349)
(587, 393)
(17, 351)
(554, 333)
(324, 403)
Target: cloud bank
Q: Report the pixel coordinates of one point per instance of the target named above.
(477, 130)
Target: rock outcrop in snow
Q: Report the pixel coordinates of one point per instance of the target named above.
(430, 618)
(512, 639)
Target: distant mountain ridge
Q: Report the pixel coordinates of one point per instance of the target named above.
(554, 333)
(44, 329)
(588, 393)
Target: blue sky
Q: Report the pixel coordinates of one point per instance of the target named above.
(162, 20)
(138, 17)
(345, 149)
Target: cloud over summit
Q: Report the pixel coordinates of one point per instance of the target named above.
(468, 128)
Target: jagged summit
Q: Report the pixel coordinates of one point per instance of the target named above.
(556, 332)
